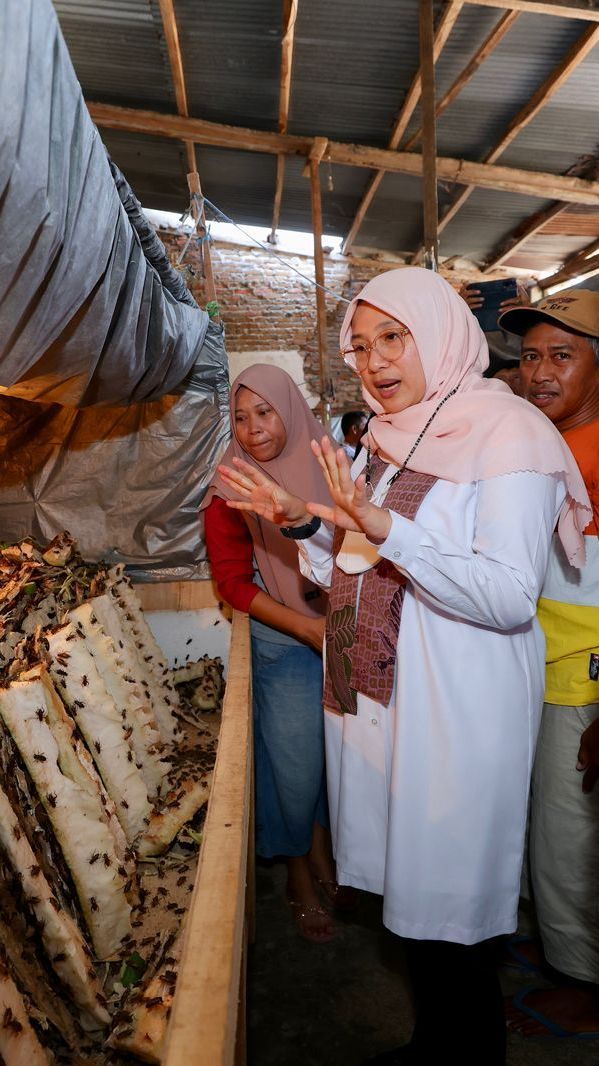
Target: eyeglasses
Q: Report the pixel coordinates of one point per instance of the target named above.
(390, 345)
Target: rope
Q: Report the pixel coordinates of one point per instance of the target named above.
(222, 217)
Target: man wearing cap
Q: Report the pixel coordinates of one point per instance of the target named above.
(559, 374)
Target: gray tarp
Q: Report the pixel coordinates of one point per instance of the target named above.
(93, 317)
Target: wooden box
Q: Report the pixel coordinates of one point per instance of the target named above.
(207, 1024)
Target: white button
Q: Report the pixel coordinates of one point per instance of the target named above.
(374, 721)
(397, 555)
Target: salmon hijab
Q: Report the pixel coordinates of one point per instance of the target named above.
(482, 431)
(295, 469)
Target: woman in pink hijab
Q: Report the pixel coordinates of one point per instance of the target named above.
(434, 657)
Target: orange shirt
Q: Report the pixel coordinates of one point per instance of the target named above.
(584, 445)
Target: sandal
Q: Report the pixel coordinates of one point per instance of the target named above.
(301, 915)
(344, 898)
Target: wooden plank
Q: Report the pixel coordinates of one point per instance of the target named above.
(177, 595)
(289, 20)
(203, 1024)
(461, 171)
(560, 74)
(446, 23)
(486, 49)
(320, 145)
(568, 9)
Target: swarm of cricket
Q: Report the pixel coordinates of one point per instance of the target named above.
(104, 766)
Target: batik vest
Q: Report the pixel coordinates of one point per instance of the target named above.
(361, 645)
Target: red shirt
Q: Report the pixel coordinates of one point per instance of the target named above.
(231, 554)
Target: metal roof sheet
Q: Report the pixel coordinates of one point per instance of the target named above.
(118, 52)
(352, 67)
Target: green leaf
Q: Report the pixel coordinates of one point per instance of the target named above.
(212, 308)
(133, 970)
(30, 588)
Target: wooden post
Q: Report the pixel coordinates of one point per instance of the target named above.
(193, 181)
(318, 150)
(289, 20)
(429, 137)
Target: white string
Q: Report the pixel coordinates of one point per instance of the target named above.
(222, 217)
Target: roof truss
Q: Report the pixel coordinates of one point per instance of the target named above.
(461, 171)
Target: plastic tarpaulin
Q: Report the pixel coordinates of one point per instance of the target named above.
(125, 481)
(84, 317)
(114, 383)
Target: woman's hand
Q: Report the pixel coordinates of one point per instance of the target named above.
(352, 509)
(262, 496)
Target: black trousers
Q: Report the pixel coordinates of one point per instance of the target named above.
(458, 1003)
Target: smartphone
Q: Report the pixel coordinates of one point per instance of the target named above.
(493, 293)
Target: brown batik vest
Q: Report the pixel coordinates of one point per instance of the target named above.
(361, 651)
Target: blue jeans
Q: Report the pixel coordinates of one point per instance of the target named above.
(289, 747)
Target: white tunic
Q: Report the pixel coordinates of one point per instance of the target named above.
(428, 796)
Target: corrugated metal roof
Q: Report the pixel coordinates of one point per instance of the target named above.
(232, 54)
(352, 68)
(118, 52)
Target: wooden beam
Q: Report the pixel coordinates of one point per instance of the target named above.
(429, 136)
(319, 148)
(198, 130)
(579, 263)
(560, 74)
(568, 9)
(321, 309)
(521, 234)
(171, 34)
(446, 24)
(587, 167)
(486, 49)
(506, 179)
(289, 19)
(199, 217)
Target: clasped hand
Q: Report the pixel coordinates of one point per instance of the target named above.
(351, 508)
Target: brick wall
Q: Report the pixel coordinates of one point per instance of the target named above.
(268, 308)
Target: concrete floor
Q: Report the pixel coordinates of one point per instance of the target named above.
(334, 1004)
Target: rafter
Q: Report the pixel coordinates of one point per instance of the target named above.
(587, 167)
(486, 49)
(429, 136)
(171, 34)
(575, 56)
(316, 154)
(573, 264)
(444, 28)
(568, 9)
(521, 234)
(289, 19)
(510, 179)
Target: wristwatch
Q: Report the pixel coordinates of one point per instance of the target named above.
(301, 532)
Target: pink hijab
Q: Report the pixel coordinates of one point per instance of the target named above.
(484, 430)
(295, 469)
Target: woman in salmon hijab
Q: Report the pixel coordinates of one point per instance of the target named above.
(434, 657)
(256, 570)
